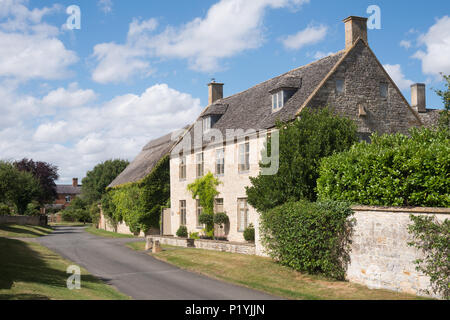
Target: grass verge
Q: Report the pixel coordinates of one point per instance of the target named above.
(107, 234)
(29, 271)
(264, 274)
(70, 224)
(18, 231)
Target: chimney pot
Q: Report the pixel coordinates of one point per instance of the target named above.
(75, 182)
(215, 91)
(355, 28)
(418, 97)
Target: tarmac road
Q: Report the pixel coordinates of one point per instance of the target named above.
(137, 274)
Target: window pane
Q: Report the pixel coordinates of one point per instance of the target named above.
(339, 86)
(383, 90)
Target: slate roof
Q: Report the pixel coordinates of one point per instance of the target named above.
(67, 189)
(252, 108)
(145, 161)
(430, 118)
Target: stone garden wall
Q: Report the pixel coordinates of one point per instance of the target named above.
(380, 256)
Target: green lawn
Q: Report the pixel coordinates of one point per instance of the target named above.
(266, 275)
(107, 234)
(31, 271)
(18, 231)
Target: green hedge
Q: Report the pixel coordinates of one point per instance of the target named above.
(309, 237)
(394, 170)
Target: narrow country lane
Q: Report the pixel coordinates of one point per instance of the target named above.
(137, 274)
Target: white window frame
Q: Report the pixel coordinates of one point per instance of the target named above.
(277, 101)
(242, 214)
(244, 157)
(206, 124)
(199, 165)
(183, 213)
(220, 161)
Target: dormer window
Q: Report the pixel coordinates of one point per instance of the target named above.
(278, 100)
(206, 124)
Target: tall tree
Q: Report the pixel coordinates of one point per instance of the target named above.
(18, 187)
(444, 120)
(302, 144)
(95, 183)
(45, 173)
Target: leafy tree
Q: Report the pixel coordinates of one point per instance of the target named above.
(302, 144)
(77, 211)
(205, 188)
(444, 120)
(95, 183)
(45, 173)
(18, 188)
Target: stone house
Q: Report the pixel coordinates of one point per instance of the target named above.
(137, 170)
(229, 135)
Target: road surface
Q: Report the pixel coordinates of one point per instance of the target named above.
(137, 274)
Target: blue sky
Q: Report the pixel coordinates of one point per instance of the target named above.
(138, 69)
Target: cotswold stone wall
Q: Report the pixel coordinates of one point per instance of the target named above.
(380, 256)
(224, 246)
(24, 220)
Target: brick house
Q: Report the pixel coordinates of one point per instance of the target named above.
(66, 193)
(233, 129)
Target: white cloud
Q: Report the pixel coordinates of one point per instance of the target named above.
(26, 43)
(229, 28)
(68, 98)
(86, 133)
(105, 5)
(395, 71)
(405, 44)
(308, 36)
(435, 58)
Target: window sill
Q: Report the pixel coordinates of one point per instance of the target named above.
(244, 172)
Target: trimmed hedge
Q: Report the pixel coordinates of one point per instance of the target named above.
(394, 170)
(309, 237)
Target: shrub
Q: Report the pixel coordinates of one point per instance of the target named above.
(433, 238)
(94, 212)
(194, 235)
(33, 209)
(309, 237)
(249, 233)
(394, 170)
(221, 218)
(206, 218)
(302, 144)
(4, 210)
(182, 232)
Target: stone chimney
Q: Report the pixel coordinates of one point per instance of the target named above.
(355, 28)
(215, 91)
(75, 182)
(418, 99)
